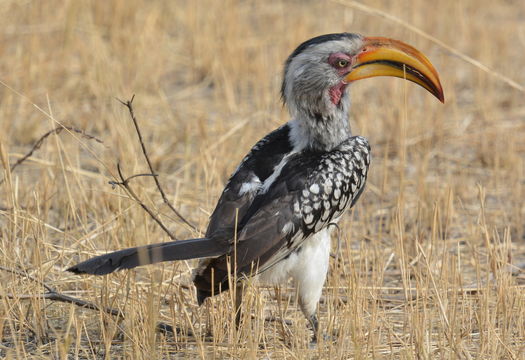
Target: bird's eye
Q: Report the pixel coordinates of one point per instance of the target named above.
(342, 63)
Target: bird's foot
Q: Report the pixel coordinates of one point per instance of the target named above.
(315, 327)
(325, 337)
(169, 330)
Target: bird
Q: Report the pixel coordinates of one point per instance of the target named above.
(273, 219)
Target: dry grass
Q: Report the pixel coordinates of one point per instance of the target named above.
(433, 257)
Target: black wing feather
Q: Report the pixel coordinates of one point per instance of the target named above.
(259, 163)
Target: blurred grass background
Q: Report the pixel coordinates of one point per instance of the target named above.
(432, 258)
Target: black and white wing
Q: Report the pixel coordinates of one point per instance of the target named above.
(311, 190)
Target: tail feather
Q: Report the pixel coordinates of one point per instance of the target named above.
(150, 254)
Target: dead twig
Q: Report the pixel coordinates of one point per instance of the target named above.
(124, 182)
(41, 140)
(56, 296)
(52, 294)
(120, 183)
(129, 104)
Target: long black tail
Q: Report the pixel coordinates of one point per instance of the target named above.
(150, 254)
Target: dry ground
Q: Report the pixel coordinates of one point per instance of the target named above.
(432, 259)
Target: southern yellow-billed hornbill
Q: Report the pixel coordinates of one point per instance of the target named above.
(295, 181)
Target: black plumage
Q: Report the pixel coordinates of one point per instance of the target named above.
(311, 190)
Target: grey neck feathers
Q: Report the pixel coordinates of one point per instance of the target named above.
(319, 125)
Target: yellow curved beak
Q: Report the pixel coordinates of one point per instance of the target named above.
(387, 57)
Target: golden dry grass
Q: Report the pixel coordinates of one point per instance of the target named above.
(432, 258)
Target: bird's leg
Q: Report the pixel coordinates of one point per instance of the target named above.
(311, 316)
(315, 326)
(310, 279)
(238, 303)
(209, 327)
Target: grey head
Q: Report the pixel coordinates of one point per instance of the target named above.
(313, 69)
(315, 92)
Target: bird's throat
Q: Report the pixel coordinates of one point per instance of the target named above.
(321, 127)
(336, 93)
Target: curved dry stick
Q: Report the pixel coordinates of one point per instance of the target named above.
(129, 105)
(40, 141)
(124, 182)
(52, 294)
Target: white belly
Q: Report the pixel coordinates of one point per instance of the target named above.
(310, 264)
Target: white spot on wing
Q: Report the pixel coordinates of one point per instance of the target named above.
(276, 172)
(287, 228)
(309, 219)
(250, 186)
(314, 189)
(296, 207)
(328, 186)
(337, 193)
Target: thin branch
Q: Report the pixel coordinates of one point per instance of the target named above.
(125, 184)
(53, 295)
(120, 183)
(41, 140)
(56, 296)
(27, 276)
(129, 105)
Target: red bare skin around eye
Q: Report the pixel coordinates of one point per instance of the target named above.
(334, 59)
(337, 91)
